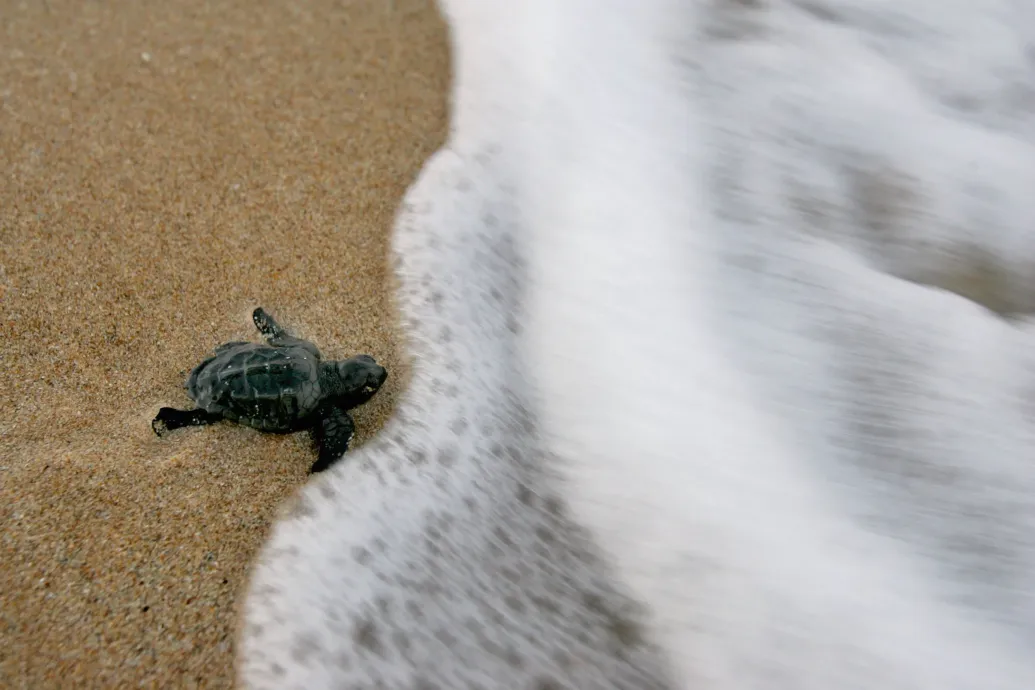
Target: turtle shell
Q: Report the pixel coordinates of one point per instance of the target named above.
(264, 387)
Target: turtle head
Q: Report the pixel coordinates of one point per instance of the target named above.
(355, 380)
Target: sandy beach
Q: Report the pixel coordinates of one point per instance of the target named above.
(166, 168)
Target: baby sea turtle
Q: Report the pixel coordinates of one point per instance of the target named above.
(281, 387)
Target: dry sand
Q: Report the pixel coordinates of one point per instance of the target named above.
(166, 167)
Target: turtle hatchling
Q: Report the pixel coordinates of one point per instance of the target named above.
(281, 387)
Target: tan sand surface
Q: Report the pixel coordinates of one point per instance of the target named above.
(166, 167)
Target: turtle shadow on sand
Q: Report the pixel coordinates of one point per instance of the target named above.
(282, 386)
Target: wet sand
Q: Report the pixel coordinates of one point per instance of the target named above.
(165, 169)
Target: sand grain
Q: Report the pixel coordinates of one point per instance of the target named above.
(166, 167)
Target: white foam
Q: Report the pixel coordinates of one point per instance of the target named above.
(759, 241)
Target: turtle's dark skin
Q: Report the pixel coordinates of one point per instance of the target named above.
(281, 387)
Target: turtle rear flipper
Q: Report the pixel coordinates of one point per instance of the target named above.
(169, 418)
(331, 435)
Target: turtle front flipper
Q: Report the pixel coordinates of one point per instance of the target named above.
(277, 336)
(332, 435)
(268, 327)
(169, 418)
